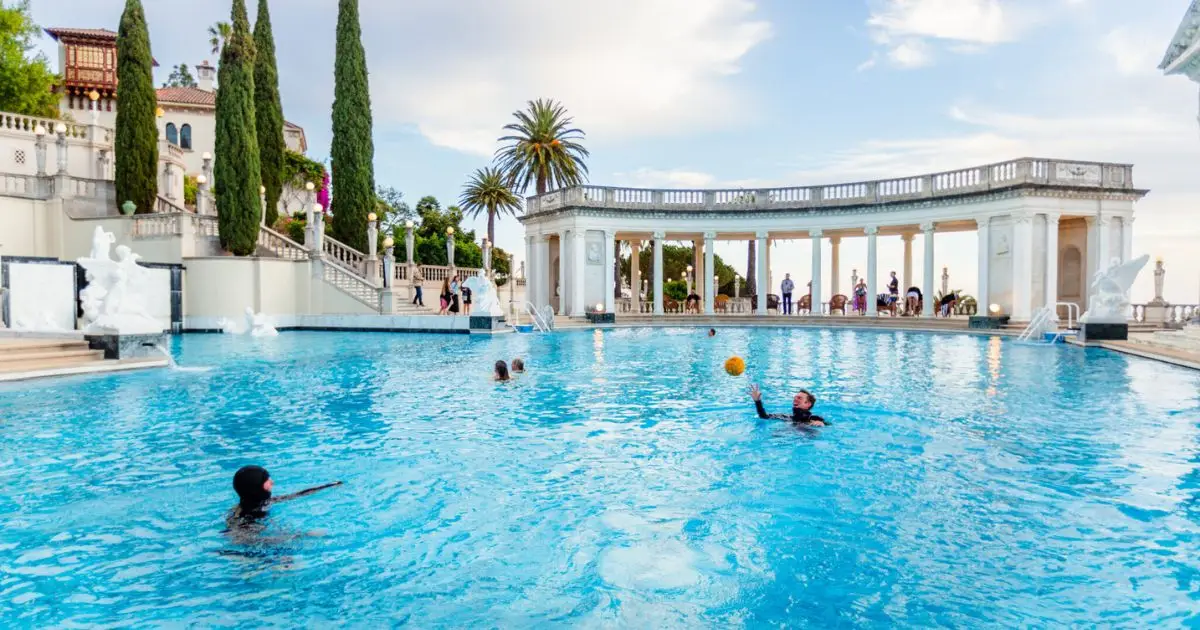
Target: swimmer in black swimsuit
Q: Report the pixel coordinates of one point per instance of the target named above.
(253, 485)
(801, 415)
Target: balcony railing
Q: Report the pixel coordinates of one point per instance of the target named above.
(1004, 175)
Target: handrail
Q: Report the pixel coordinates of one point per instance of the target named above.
(1041, 318)
(351, 284)
(1072, 313)
(348, 256)
(162, 205)
(976, 179)
(538, 321)
(280, 245)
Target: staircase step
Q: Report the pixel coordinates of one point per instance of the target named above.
(52, 363)
(48, 355)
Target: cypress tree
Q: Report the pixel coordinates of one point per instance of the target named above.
(268, 111)
(136, 143)
(236, 170)
(352, 149)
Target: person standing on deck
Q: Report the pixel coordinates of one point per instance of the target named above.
(786, 289)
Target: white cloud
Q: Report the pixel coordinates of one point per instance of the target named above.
(976, 21)
(1133, 52)
(913, 53)
(676, 178)
(623, 68)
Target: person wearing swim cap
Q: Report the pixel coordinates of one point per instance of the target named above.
(802, 404)
(253, 485)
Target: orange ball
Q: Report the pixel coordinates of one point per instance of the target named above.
(734, 366)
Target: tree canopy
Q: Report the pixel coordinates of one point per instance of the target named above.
(181, 76)
(26, 81)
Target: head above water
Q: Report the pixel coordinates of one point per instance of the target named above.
(518, 365)
(712, 332)
(803, 400)
(253, 485)
(501, 371)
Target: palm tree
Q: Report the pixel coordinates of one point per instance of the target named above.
(489, 192)
(544, 149)
(219, 34)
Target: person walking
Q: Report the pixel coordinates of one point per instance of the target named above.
(445, 297)
(417, 279)
(786, 289)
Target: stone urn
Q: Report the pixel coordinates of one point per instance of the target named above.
(128, 208)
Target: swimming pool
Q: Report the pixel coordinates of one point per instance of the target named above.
(624, 481)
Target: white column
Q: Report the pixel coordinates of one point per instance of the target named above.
(1022, 267)
(928, 290)
(1051, 280)
(872, 271)
(1093, 254)
(1103, 242)
(761, 282)
(697, 268)
(579, 262)
(908, 280)
(658, 272)
(635, 277)
(835, 243)
(561, 286)
(816, 300)
(710, 270)
(1126, 239)
(542, 266)
(610, 247)
(981, 292)
(766, 259)
(529, 296)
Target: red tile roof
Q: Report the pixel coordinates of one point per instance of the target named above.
(186, 96)
(91, 33)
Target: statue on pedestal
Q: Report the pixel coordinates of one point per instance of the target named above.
(114, 302)
(484, 296)
(1110, 292)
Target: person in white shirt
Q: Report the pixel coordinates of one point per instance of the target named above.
(786, 288)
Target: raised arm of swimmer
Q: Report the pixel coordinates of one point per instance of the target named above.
(306, 492)
(802, 405)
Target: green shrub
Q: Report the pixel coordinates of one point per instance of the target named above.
(190, 188)
(675, 289)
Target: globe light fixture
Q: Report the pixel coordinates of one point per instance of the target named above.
(689, 269)
(450, 231)
(388, 243)
(317, 208)
(201, 179)
(262, 190)
(60, 129)
(94, 95)
(599, 307)
(994, 309)
(39, 130)
(206, 156)
(159, 112)
(307, 185)
(371, 217)
(408, 224)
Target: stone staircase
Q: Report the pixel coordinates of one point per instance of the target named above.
(35, 355)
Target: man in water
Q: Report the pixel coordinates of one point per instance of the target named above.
(712, 332)
(518, 366)
(802, 405)
(253, 485)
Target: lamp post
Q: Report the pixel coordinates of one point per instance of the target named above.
(206, 170)
(61, 131)
(736, 281)
(202, 188)
(94, 96)
(370, 268)
(715, 285)
(687, 276)
(40, 149)
(450, 250)
(389, 262)
(487, 258)
(262, 204)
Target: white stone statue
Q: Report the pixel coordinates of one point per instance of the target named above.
(114, 302)
(253, 325)
(1110, 292)
(484, 297)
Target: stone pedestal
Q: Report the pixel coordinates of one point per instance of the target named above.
(1103, 332)
(128, 346)
(988, 322)
(602, 318)
(487, 322)
(1156, 314)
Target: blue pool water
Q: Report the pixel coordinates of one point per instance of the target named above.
(624, 481)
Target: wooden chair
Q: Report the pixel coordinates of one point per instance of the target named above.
(670, 306)
(884, 304)
(838, 303)
(804, 305)
(722, 303)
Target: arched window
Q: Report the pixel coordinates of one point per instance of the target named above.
(185, 137)
(172, 134)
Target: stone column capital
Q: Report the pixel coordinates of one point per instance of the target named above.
(577, 235)
(609, 233)
(835, 240)
(907, 237)
(708, 236)
(761, 234)
(816, 233)
(871, 230)
(927, 227)
(1020, 218)
(659, 235)
(1127, 220)
(1052, 218)
(983, 223)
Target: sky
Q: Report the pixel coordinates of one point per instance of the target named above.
(729, 93)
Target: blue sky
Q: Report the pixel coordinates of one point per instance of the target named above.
(709, 93)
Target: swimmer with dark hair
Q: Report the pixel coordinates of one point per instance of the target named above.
(253, 485)
(518, 366)
(501, 373)
(712, 332)
(802, 404)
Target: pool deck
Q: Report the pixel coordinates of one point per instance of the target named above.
(956, 325)
(1174, 356)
